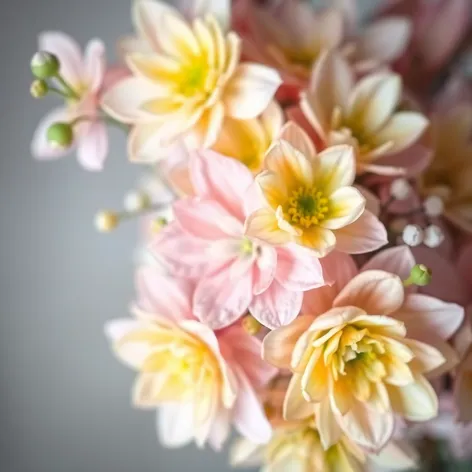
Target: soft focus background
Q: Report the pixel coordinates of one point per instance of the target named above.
(65, 402)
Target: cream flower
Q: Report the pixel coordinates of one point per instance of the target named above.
(248, 140)
(362, 114)
(187, 79)
(357, 358)
(450, 173)
(309, 197)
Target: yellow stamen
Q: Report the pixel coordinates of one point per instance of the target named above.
(307, 206)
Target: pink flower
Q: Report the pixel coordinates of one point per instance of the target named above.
(361, 351)
(200, 381)
(88, 77)
(234, 273)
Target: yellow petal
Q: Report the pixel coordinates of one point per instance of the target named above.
(315, 378)
(295, 406)
(273, 187)
(346, 205)
(336, 168)
(297, 137)
(263, 225)
(321, 240)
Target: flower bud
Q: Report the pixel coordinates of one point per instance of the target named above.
(44, 65)
(136, 201)
(60, 135)
(433, 206)
(433, 236)
(420, 275)
(412, 235)
(400, 189)
(158, 223)
(39, 88)
(251, 325)
(106, 221)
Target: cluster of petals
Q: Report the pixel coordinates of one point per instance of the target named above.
(234, 272)
(201, 382)
(363, 349)
(187, 77)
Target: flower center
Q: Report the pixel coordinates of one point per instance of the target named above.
(307, 206)
(194, 78)
(247, 246)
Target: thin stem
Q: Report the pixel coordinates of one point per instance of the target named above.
(70, 92)
(59, 92)
(126, 215)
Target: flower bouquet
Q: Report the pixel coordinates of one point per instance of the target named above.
(304, 263)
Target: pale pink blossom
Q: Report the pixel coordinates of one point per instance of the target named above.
(88, 76)
(234, 272)
(396, 337)
(201, 382)
(187, 77)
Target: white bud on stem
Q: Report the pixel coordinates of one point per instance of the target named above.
(412, 235)
(433, 236)
(400, 189)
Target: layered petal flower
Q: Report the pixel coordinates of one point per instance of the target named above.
(309, 196)
(361, 114)
(185, 82)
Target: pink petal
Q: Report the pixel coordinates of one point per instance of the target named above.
(220, 429)
(298, 269)
(40, 148)
(95, 63)
(249, 417)
(92, 148)
(264, 269)
(219, 301)
(372, 202)
(163, 295)
(206, 219)
(220, 178)
(173, 426)
(366, 234)
(339, 269)
(397, 260)
(464, 265)
(422, 312)
(276, 306)
(183, 255)
(67, 51)
(253, 199)
(113, 75)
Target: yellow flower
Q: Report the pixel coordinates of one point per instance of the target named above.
(177, 363)
(187, 77)
(450, 173)
(309, 196)
(249, 140)
(362, 114)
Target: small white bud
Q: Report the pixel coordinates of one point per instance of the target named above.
(412, 235)
(136, 201)
(106, 221)
(400, 189)
(433, 206)
(433, 236)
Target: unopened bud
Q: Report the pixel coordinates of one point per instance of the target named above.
(158, 223)
(433, 236)
(433, 206)
(251, 325)
(44, 65)
(60, 135)
(106, 221)
(420, 275)
(400, 189)
(412, 235)
(39, 88)
(136, 201)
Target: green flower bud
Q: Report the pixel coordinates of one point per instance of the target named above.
(251, 325)
(39, 88)
(420, 275)
(60, 135)
(44, 65)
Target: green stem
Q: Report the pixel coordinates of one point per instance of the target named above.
(59, 92)
(69, 91)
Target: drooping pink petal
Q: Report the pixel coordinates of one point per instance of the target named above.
(397, 260)
(40, 147)
(164, 295)
(298, 268)
(94, 63)
(113, 75)
(218, 300)
(67, 51)
(422, 312)
(92, 146)
(220, 178)
(366, 234)
(276, 306)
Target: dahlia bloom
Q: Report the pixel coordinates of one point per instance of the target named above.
(187, 77)
(361, 351)
(89, 78)
(233, 272)
(361, 114)
(310, 199)
(201, 382)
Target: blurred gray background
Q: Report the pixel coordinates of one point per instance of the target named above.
(65, 401)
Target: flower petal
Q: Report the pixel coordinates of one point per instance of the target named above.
(173, 426)
(298, 138)
(95, 63)
(277, 306)
(375, 291)
(295, 407)
(321, 240)
(92, 147)
(337, 168)
(397, 260)
(366, 234)
(328, 428)
(263, 225)
(250, 90)
(346, 205)
(265, 269)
